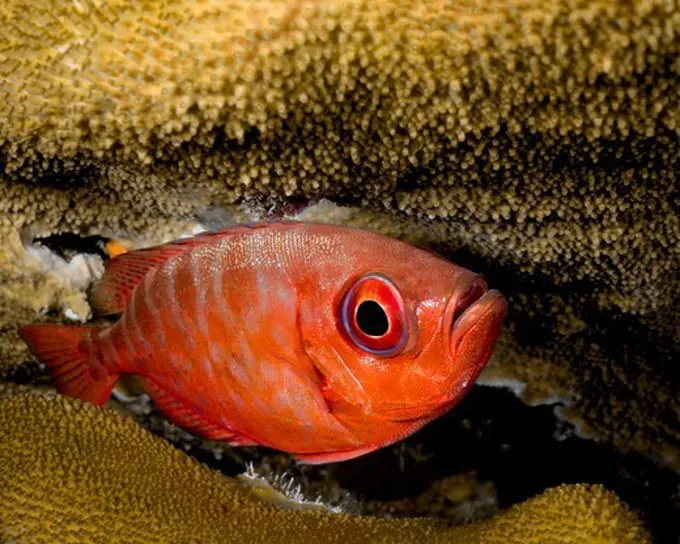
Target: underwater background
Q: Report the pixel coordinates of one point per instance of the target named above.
(535, 142)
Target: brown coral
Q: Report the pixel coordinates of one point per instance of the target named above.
(73, 472)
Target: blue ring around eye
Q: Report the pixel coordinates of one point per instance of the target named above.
(348, 328)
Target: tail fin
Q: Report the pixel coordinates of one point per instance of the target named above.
(58, 346)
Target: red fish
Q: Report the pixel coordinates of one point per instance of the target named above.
(326, 342)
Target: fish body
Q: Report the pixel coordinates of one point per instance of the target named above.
(327, 342)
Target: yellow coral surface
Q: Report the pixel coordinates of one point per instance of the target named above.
(72, 472)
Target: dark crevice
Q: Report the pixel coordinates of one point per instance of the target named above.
(68, 244)
(523, 450)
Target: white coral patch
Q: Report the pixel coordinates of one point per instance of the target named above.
(198, 228)
(516, 386)
(72, 278)
(519, 388)
(552, 400)
(325, 211)
(282, 489)
(70, 314)
(79, 272)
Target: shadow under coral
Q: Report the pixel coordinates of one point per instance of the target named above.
(490, 437)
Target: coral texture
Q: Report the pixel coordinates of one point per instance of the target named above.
(123, 484)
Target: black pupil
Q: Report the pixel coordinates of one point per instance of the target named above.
(371, 318)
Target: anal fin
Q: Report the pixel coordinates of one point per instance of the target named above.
(238, 440)
(187, 418)
(332, 456)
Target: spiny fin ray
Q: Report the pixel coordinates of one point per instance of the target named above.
(125, 271)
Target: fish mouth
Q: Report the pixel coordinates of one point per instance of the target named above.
(478, 312)
(466, 295)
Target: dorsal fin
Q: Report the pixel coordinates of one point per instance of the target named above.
(124, 272)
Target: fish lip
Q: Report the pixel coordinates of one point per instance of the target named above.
(467, 295)
(470, 288)
(490, 301)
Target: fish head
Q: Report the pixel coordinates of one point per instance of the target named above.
(398, 333)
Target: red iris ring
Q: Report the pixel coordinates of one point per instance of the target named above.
(379, 289)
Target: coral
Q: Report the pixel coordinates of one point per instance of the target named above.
(74, 472)
(542, 520)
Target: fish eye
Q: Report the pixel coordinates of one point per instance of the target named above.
(373, 316)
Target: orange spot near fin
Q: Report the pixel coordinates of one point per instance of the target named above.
(115, 248)
(58, 346)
